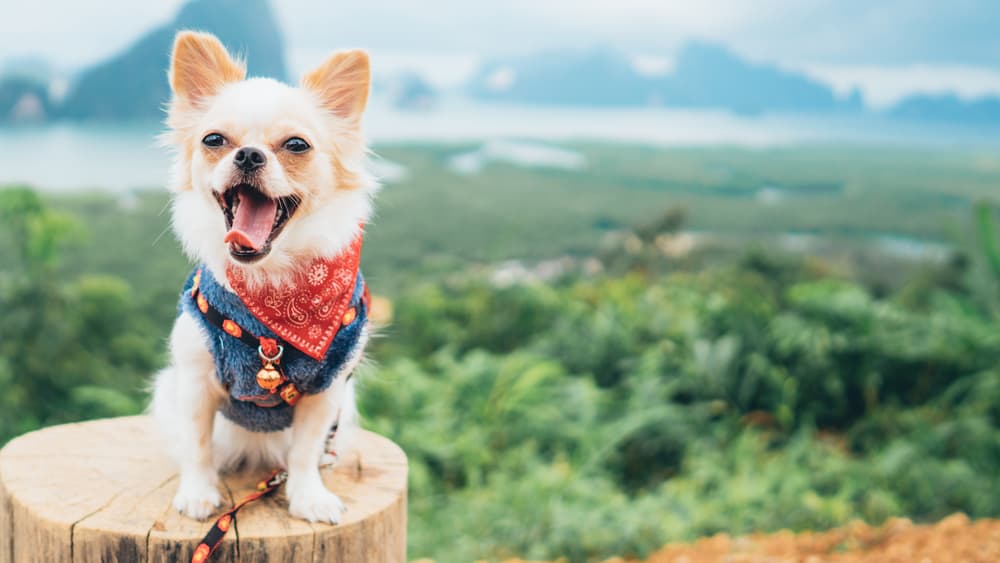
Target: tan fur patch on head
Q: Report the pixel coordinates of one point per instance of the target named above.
(212, 155)
(200, 66)
(341, 83)
(298, 166)
(346, 179)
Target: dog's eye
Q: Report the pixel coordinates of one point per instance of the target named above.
(296, 144)
(213, 140)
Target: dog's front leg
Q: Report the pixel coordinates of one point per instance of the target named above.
(308, 498)
(197, 402)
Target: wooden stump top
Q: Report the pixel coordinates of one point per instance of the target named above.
(102, 491)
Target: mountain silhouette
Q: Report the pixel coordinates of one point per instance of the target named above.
(949, 108)
(705, 75)
(708, 75)
(597, 77)
(132, 85)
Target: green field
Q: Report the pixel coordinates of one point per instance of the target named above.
(744, 384)
(437, 221)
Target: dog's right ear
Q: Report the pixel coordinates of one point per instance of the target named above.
(200, 66)
(341, 83)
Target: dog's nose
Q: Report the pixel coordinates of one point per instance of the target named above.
(249, 159)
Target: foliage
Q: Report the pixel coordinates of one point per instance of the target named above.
(988, 237)
(640, 410)
(72, 349)
(607, 413)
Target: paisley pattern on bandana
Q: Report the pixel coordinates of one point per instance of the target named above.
(306, 313)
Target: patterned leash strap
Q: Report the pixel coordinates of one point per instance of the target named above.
(214, 536)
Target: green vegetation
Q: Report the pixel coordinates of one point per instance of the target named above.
(71, 349)
(735, 386)
(610, 415)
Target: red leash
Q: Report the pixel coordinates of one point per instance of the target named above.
(214, 536)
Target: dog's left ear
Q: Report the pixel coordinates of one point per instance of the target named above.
(342, 83)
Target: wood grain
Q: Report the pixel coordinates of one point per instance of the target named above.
(101, 491)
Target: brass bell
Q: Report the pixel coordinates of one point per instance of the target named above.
(269, 377)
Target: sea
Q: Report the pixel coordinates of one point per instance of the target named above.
(124, 157)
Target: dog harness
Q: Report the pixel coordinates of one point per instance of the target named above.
(272, 345)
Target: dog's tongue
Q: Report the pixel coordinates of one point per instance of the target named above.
(253, 220)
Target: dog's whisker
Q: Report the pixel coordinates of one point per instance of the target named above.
(159, 236)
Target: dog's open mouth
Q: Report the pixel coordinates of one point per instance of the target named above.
(253, 220)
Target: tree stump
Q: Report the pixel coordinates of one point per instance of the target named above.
(101, 491)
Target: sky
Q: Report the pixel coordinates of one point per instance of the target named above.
(886, 47)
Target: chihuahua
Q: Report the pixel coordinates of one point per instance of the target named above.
(270, 198)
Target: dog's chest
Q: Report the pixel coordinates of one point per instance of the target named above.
(237, 363)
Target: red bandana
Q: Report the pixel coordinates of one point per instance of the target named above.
(306, 313)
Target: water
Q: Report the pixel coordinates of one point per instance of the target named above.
(519, 153)
(69, 157)
(63, 157)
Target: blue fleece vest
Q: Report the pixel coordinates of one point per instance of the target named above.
(236, 363)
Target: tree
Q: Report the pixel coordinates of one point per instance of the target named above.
(70, 349)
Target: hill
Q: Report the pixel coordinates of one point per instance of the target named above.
(23, 100)
(598, 77)
(708, 75)
(132, 85)
(950, 108)
(705, 75)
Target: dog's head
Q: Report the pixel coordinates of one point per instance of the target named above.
(266, 175)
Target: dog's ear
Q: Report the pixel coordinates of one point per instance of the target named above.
(200, 66)
(342, 83)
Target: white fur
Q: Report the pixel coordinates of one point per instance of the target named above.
(255, 104)
(187, 394)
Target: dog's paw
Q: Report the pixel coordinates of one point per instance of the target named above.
(197, 499)
(320, 506)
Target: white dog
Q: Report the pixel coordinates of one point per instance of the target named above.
(270, 197)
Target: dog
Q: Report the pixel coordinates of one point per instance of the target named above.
(270, 198)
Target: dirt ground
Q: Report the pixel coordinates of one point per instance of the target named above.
(955, 539)
(952, 540)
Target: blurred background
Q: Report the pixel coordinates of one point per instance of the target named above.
(649, 271)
